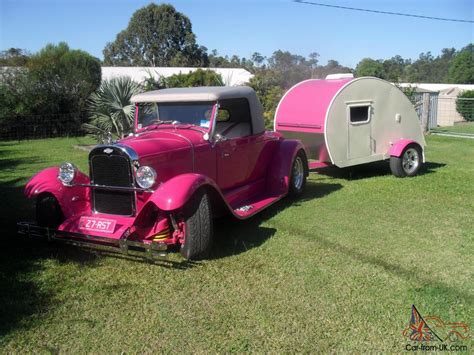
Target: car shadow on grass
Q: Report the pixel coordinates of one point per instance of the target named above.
(23, 298)
(365, 171)
(22, 259)
(233, 236)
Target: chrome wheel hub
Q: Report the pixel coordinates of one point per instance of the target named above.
(298, 173)
(411, 160)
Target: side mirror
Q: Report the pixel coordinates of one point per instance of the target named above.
(219, 138)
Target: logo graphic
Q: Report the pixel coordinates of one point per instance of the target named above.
(108, 150)
(421, 329)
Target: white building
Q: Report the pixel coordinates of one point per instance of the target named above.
(231, 76)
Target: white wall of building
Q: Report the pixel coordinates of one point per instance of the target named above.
(230, 76)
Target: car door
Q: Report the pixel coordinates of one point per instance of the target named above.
(232, 157)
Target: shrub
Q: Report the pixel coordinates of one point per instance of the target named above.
(63, 78)
(269, 94)
(47, 96)
(465, 105)
(110, 109)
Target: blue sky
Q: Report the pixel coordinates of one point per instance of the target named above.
(244, 27)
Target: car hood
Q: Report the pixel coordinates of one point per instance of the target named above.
(163, 140)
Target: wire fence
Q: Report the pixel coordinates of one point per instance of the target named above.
(452, 110)
(442, 110)
(42, 126)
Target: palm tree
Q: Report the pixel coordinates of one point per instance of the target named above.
(110, 109)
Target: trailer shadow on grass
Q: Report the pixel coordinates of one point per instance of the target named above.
(365, 171)
(233, 237)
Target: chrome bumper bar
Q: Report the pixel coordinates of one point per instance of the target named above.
(150, 251)
(112, 188)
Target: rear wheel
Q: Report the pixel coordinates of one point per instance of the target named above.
(409, 163)
(48, 211)
(299, 171)
(198, 227)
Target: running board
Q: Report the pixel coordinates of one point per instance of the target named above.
(251, 207)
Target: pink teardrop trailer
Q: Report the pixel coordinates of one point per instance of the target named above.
(346, 121)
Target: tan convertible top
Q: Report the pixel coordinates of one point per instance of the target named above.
(208, 93)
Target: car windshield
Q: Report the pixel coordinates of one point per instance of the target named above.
(194, 113)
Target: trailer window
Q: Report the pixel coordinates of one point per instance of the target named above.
(359, 114)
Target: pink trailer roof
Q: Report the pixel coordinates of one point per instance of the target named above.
(304, 106)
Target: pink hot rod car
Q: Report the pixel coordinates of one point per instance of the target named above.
(196, 153)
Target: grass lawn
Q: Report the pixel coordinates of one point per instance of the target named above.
(465, 127)
(336, 271)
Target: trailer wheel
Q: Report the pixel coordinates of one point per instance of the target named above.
(48, 211)
(198, 227)
(409, 163)
(299, 172)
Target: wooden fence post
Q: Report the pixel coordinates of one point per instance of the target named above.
(425, 114)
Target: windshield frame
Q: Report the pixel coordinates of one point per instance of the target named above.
(214, 110)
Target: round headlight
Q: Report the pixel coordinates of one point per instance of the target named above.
(146, 177)
(66, 173)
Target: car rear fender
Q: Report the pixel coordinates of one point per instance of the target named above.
(71, 199)
(176, 192)
(397, 149)
(279, 172)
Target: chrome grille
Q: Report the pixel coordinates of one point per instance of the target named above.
(112, 169)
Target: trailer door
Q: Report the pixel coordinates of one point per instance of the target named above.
(359, 132)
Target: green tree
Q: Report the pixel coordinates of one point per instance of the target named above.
(110, 109)
(465, 105)
(370, 67)
(54, 81)
(289, 68)
(157, 35)
(440, 73)
(198, 77)
(62, 78)
(269, 93)
(14, 57)
(422, 70)
(394, 68)
(461, 69)
(332, 67)
(257, 59)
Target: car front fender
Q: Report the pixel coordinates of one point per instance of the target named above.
(279, 172)
(71, 199)
(174, 193)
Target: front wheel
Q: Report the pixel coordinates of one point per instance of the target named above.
(198, 227)
(48, 211)
(409, 163)
(299, 171)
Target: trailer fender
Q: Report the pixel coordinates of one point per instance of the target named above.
(279, 172)
(174, 193)
(397, 149)
(71, 199)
